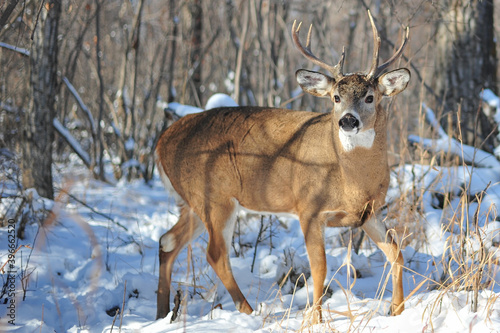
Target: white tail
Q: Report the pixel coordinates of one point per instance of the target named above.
(326, 169)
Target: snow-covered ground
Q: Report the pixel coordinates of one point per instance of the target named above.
(98, 253)
(94, 257)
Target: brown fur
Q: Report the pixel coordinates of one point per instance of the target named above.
(272, 160)
(282, 161)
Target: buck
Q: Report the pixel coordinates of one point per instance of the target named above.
(326, 169)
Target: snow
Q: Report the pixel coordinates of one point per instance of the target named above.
(129, 144)
(78, 266)
(182, 110)
(453, 146)
(489, 97)
(99, 250)
(20, 50)
(219, 100)
(215, 101)
(493, 102)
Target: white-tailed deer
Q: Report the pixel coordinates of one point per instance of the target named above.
(327, 169)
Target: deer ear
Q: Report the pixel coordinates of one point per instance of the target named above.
(392, 83)
(314, 83)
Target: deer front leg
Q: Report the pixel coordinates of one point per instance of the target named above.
(378, 233)
(315, 245)
(187, 228)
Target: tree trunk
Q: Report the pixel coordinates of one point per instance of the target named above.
(171, 73)
(38, 131)
(197, 48)
(466, 64)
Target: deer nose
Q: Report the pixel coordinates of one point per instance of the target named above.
(349, 122)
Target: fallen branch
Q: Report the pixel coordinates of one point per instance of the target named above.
(446, 144)
(72, 142)
(80, 102)
(22, 51)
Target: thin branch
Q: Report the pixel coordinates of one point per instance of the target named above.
(37, 19)
(19, 50)
(95, 211)
(71, 141)
(123, 305)
(80, 102)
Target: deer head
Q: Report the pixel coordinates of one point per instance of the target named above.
(356, 97)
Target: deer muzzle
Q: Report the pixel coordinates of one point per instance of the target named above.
(349, 123)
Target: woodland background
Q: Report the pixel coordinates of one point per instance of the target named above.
(95, 77)
(86, 87)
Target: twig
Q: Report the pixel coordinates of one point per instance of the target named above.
(261, 228)
(123, 304)
(114, 319)
(5, 263)
(37, 18)
(479, 275)
(95, 211)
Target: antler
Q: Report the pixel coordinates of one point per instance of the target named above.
(375, 70)
(306, 51)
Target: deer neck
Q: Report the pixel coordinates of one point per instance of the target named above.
(365, 170)
(365, 150)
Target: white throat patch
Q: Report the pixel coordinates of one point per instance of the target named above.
(361, 139)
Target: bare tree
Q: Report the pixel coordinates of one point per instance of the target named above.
(466, 63)
(38, 132)
(125, 60)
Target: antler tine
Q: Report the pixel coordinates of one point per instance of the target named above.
(375, 70)
(376, 47)
(396, 55)
(309, 34)
(306, 51)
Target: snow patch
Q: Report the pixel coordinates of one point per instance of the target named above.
(220, 100)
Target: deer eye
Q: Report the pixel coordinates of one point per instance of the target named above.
(337, 98)
(369, 99)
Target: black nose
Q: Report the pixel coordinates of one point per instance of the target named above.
(348, 122)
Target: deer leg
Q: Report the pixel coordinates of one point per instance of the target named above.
(378, 233)
(220, 225)
(315, 245)
(188, 227)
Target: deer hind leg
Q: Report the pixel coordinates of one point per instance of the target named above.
(188, 227)
(315, 246)
(220, 224)
(378, 233)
